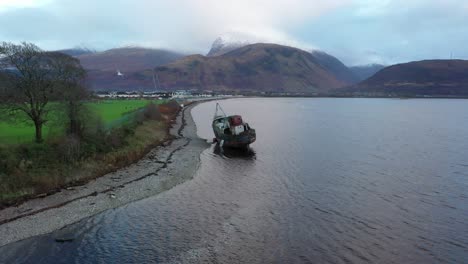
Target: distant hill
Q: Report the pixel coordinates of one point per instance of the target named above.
(252, 68)
(130, 59)
(335, 66)
(420, 78)
(259, 68)
(229, 42)
(364, 72)
(76, 51)
(102, 67)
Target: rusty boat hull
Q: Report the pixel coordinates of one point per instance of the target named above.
(232, 131)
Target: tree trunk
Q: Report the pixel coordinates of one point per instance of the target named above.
(74, 122)
(72, 128)
(75, 127)
(38, 126)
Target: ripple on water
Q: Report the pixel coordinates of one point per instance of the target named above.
(328, 181)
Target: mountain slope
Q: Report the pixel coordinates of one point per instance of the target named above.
(364, 72)
(429, 77)
(77, 51)
(102, 67)
(130, 59)
(256, 67)
(335, 66)
(251, 68)
(229, 42)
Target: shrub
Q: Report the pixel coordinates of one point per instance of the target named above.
(69, 149)
(169, 109)
(8, 160)
(152, 112)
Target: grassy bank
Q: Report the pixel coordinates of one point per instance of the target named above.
(112, 113)
(30, 169)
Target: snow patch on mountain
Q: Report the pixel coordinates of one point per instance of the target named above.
(233, 40)
(230, 41)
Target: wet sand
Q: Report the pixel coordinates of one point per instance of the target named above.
(161, 169)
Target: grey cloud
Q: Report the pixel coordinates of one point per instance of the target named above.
(401, 31)
(357, 31)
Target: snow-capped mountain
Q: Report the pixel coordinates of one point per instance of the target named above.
(231, 41)
(236, 39)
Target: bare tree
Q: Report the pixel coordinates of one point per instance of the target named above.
(31, 87)
(4, 84)
(35, 78)
(71, 89)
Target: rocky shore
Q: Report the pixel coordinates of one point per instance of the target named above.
(161, 169)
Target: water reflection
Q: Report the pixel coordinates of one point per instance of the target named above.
(235, 153)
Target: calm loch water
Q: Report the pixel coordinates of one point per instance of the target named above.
(328, 181)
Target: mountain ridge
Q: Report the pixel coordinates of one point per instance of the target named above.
(363, 72)
(130, 59)
(418, 78)
(220, 46)
(260, 67)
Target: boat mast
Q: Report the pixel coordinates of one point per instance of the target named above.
(159, 84)
(154, 82)
(218, 108)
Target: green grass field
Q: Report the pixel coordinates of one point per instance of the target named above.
(112, 113)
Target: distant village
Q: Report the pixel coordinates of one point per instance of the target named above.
(193, 94)
(179, 94)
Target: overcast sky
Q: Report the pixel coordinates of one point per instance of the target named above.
(355, 31)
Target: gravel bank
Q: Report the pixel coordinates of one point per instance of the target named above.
(161, 169)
